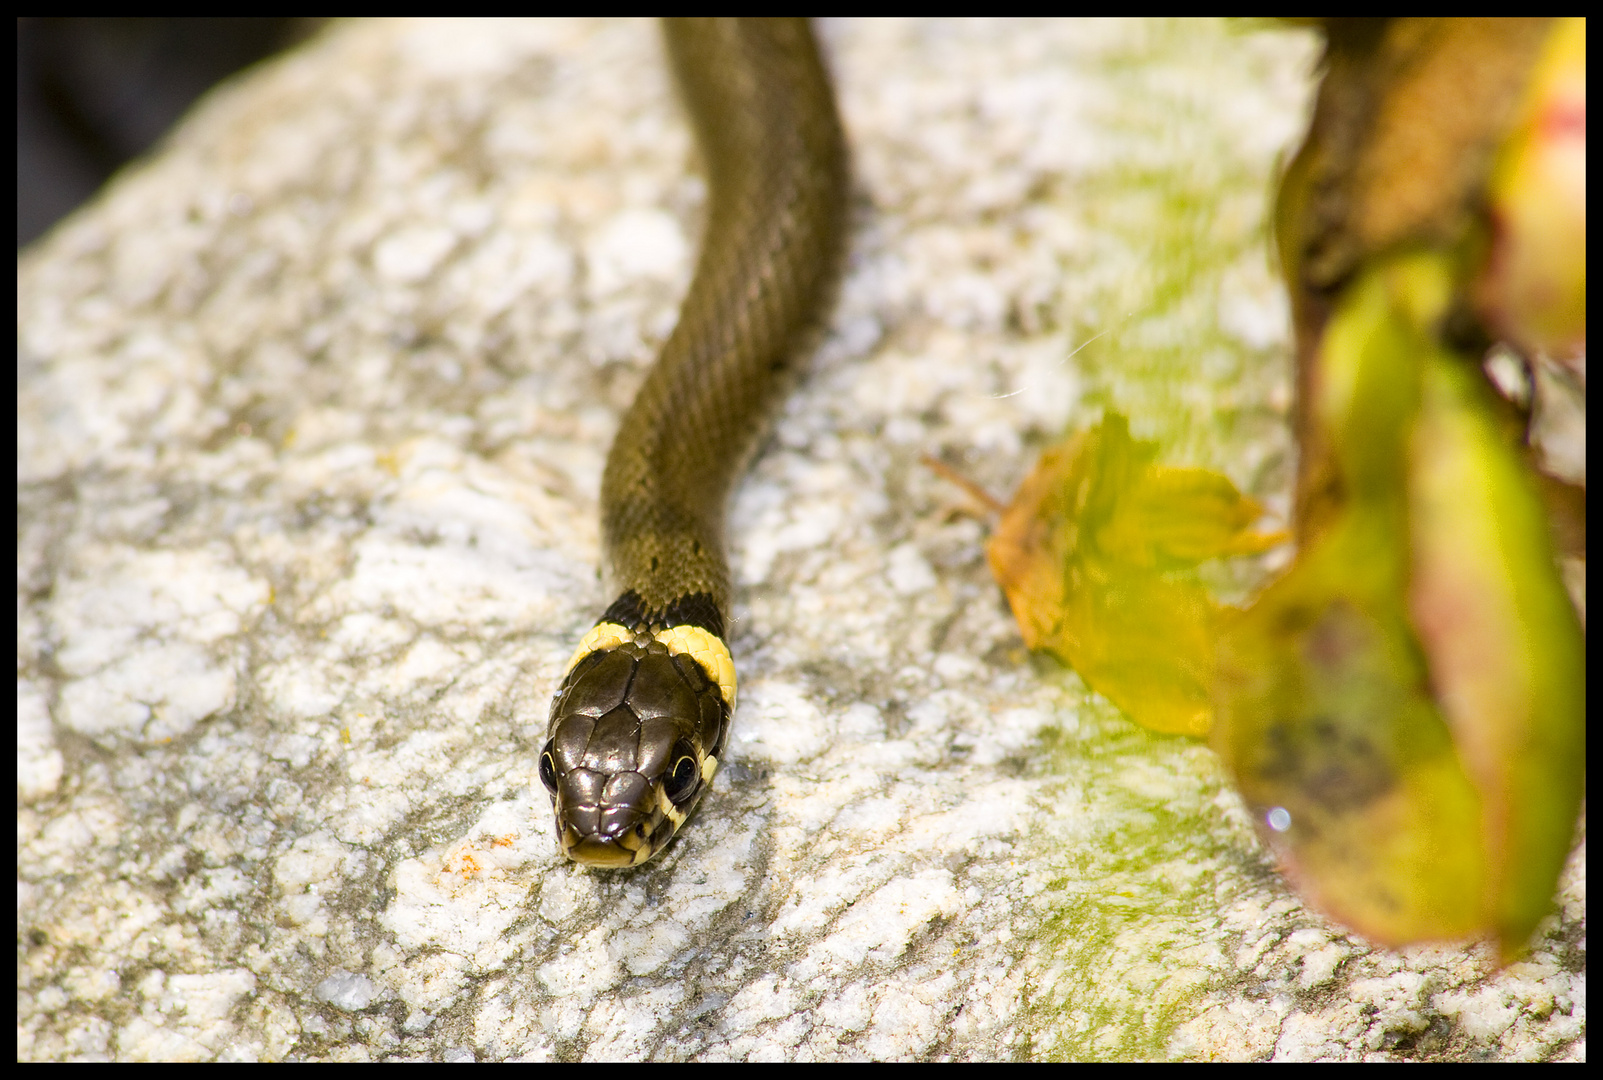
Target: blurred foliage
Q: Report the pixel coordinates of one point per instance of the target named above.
(1533, 287)
(1404, 708)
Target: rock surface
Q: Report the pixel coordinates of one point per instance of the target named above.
(312, 412)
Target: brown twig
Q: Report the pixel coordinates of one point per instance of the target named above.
(975, 492)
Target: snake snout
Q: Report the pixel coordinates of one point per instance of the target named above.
(608, 821)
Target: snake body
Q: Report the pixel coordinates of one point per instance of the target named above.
(643, 714)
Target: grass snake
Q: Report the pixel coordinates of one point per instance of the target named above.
(643, 713)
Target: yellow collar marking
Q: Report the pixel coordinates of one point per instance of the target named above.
(706, 648)
(602, 636)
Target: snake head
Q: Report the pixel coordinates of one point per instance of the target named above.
(636, 731)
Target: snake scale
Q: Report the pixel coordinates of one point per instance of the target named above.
(643, 713)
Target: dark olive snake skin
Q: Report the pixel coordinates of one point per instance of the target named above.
(643, 714)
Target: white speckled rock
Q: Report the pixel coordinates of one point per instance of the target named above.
(312, 411)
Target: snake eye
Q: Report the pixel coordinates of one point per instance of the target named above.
(548, 770)
(681, 783)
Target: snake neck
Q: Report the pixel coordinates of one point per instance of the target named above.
(773, 153)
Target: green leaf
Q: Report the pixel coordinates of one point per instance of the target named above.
(1505, 649)
(1404, 710)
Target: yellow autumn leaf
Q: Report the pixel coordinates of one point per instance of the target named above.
(1093, 554)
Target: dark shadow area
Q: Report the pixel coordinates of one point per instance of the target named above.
(94, 93)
